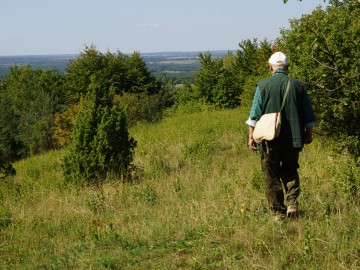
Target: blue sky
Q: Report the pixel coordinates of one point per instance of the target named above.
(36, 27)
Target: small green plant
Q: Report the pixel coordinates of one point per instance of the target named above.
(147, 195)
(97, 202)
(109, 263)
(306, 241)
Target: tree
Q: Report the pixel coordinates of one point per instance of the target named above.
(32, 99)
(139, 79)
(109, 68)
(252, 64)
(246, 58)
(206, 77)
(9, 144)
(135, 87)
(217, 81)
(324, 50)
(125, 74)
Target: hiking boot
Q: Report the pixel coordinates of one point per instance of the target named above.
(292, 211)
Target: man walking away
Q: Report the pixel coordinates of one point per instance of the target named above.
(279, 157)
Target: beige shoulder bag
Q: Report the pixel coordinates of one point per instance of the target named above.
(269, 124)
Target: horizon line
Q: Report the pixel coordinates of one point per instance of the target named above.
(142, 53)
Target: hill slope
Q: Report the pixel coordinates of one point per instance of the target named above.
(196, 202)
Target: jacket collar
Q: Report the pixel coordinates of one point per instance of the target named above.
(280, 71)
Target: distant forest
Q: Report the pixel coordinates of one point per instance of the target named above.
(176, 66)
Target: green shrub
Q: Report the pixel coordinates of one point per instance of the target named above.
(101, 143)
(140, 107)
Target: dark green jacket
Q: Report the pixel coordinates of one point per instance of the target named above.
(296, 113)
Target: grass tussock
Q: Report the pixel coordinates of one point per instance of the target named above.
(196, 202)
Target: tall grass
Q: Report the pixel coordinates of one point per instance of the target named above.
(197, 202)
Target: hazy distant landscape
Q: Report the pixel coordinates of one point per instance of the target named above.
(176, 65)
(48, 62)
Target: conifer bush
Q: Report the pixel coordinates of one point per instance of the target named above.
(101, 144)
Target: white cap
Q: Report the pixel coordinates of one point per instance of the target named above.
(278, 59)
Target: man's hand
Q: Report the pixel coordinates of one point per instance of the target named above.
(252, 144)
(308, 136)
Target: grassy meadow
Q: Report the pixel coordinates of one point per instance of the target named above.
(196, 202)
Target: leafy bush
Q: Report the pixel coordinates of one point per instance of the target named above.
(29, 100)
(223, 81)
(140, 107)
(64, 123)
(328, 59)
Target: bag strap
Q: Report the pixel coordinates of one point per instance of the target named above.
(286, 93)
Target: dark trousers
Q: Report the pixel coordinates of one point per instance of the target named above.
(281, 176)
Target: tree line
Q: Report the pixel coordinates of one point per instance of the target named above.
(90, 108)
